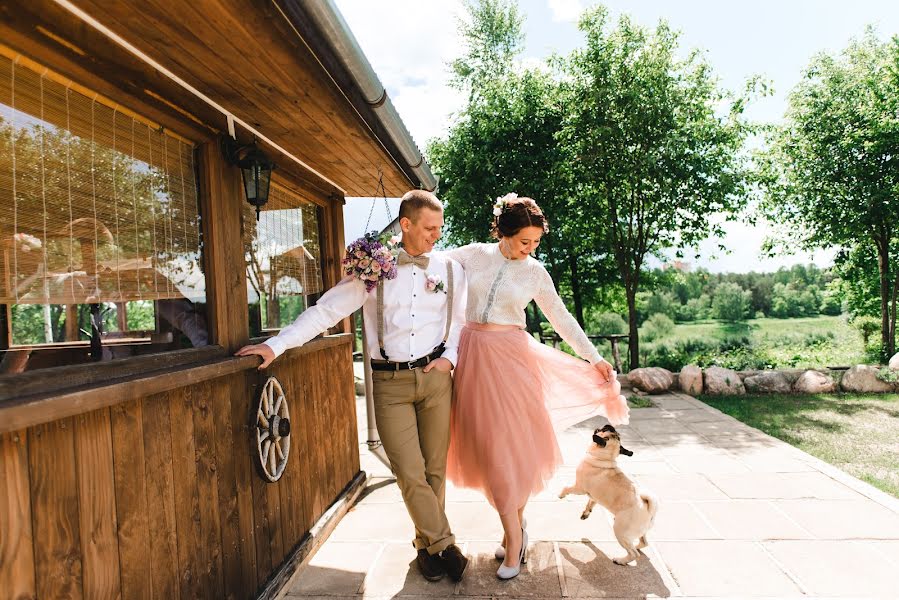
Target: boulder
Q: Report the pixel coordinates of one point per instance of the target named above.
(863, 378)
(653, 380)
(815, 382)
(690, 380)
(768, 382)
(719, 382)
(894, 362)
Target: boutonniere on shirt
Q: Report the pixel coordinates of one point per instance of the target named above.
(434, 283)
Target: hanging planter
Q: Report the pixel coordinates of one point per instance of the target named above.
(272, 431)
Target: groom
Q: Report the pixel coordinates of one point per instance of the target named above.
(413, 335)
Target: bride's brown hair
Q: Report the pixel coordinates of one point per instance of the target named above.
(517, 214)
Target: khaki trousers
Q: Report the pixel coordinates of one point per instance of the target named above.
(412, 411)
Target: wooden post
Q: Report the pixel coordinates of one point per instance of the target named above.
(221, 200)
(5, 326)
(616, 355)
(332, 244)
(72, 329)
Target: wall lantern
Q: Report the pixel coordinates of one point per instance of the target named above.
(255, 167)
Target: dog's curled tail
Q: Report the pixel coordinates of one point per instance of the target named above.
(652, 505)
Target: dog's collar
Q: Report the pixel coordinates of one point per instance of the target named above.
(603, 464)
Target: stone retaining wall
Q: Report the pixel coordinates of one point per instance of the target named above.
(719, 381)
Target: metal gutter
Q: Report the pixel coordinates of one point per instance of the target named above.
(330, 23)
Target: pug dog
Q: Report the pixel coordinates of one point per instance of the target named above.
(599, 477)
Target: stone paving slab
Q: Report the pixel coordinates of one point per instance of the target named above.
(742, 515)
(837, 568)
(590, 573)
(682, 521)
(539, 578)
(751, 520)
(843, 519)
(783, 486)
(726, 568)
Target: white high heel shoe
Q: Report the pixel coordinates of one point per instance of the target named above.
(500, 552)
(505, 572)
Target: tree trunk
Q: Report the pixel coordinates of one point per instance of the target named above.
(892, 348)
(576, 290)
(883, 260)
(553, 264)
(630, 290)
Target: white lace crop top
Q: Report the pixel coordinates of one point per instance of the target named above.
(499, 289)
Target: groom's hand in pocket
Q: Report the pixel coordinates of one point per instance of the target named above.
(441, 364)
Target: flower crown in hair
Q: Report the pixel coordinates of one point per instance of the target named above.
(501, 203)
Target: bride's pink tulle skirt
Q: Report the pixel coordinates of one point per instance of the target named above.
(510, 396)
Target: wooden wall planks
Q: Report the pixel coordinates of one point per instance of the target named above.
(126, 422)
(16, 544)
(97, 505)
(158, 497)
(54, 510)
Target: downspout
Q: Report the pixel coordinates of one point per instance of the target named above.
(335, 30)
(374, 438)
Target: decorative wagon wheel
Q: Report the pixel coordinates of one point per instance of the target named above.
(272, 431)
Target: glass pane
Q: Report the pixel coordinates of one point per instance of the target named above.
(283, 259)
(100, 236)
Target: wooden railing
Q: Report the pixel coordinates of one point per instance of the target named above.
(554, 340)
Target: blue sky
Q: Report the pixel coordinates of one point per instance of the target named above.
(409, 43)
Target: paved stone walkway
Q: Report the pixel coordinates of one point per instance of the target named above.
(742, 515)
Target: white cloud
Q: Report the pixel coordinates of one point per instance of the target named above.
(743, 243)
(565, 10)
(409, 46)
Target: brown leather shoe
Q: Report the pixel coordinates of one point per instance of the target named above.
(454, 562)
(430, 565)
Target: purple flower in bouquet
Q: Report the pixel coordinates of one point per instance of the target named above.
(371, 258)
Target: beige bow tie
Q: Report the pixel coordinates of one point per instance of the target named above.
(405, 258)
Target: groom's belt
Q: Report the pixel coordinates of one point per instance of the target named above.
(389, 365)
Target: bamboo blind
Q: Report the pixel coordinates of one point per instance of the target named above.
(98, 205)
(283, 247)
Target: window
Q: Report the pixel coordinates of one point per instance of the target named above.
(283, 254)
(99, 232)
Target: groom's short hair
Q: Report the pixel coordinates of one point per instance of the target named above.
(415, 200)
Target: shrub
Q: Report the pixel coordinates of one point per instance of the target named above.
(731, 303)
(867, 326)
(830, 304)
(609, 323)
(659, 303)
(666, 355)
(695, 309)
(656, 326)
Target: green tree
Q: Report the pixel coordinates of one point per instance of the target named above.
(493, 38)
(652, 155)
(830, 173)
(505, 140)
(731, 302)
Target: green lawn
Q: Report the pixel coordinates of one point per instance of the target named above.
(857, 433)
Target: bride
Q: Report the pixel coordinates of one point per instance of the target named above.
(512, 393)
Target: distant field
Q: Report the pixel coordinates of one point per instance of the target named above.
(780, 343)
(804, 342)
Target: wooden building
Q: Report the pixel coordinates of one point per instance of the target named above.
(132, 445)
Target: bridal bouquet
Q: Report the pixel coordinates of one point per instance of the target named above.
(372, 258)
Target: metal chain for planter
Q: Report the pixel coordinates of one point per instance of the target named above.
(272, 431)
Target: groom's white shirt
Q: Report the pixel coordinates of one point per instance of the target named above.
(414, 318)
